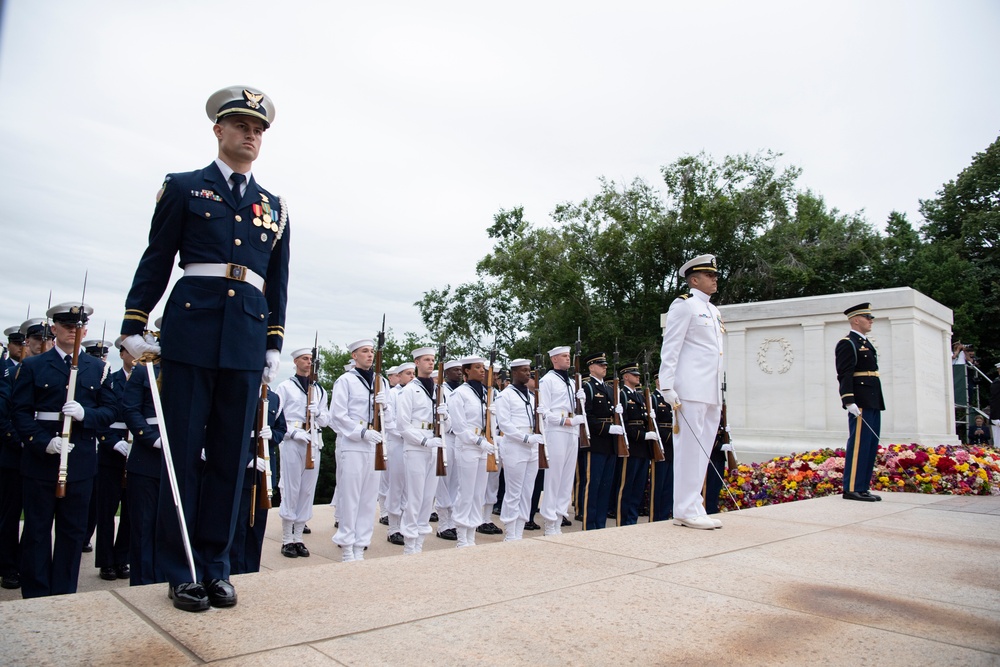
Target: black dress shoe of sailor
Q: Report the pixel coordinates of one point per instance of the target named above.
(301, 550)
(448, 534)
(108, 574)
(566, 522)
(488, 528)
(11, 581)
(189, 597)
(853, 495)
(871, 495)
(306, 530)
(395, 538)
(289, 550)
(384, 520)
(531, 525)
(220, 593)
(434, 517)
(123, 571)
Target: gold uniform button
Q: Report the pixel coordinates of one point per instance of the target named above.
(238, 242)
(262, 316)
(207, 214)
(187, 305)
(232, 292)
(239, 219)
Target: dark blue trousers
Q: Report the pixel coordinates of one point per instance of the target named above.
(46, 570)
(210, 409)
(862, 446)
(111, 549)
(244, 555)
(143, 495)
(662, 491)
(597, 473)
(11, 501)
(635, 472)
(714, 474)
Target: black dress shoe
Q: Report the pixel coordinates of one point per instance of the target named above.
(488, 528)
(448, 534)
(123, 571)
(88, 547)
(395, 538)
(871, 495)
(289, 551)
(301, 550)
(566, 522)
(531, 525)
(496, 510)
(578, 517)
(189, 597)
(306, 530)
(852, 495)
(384, 520)
(11, 581)
(108, 574)
(220, 593)
(434, 517)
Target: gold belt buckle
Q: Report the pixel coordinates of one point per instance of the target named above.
(236, 272)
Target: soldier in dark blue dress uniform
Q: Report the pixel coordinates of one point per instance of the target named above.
(635, 469)
(15, 343)
(10, 486)
(113, 443)
(248, 540)
(861, 396)
(223, 322)
(40, 393)
(597, 464)
(662, 484)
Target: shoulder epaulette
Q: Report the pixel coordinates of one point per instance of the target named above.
(684, 296)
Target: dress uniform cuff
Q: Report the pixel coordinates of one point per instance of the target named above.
(131, 327)
(275, 339)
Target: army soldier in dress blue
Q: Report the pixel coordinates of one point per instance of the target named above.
(40, 393)
(661, 487)
(691, 365)
(597, 466)
(861, 396)
(635, 471)
(10, 484)
(248, 540)
(223, 322)
(113, 445)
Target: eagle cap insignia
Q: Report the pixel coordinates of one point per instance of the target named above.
(713, 264)
(253, 99)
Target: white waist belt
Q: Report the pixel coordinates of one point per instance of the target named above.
(49, 416)
(119, 425)
(236, 272)
(152, 421)
(424, 426)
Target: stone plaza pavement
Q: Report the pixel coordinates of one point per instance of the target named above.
(912, 580)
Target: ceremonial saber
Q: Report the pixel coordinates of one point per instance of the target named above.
(171, 473)
(709, 457)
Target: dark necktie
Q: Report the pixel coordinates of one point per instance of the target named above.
(69, 361)
(237, 180)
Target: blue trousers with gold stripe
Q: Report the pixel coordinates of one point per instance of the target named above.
(596, 474)
(862, 446)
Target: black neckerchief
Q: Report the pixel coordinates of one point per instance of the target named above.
(523, 394)
(428, 386)
(454, 384)
(563, 374)
(477, 388)
(368, 376)
(302, 382)
(522, 391)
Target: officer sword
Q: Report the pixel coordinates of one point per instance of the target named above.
(708, 455)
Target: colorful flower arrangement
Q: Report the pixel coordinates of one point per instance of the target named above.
(958, 470)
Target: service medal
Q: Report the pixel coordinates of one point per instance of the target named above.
(257, 222)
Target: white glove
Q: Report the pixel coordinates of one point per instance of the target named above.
(74, 410)
(381, 398)
(56, 445)
(443, 410)
(581, 395)
(535, 439)
(300, 436)
(272, 360)
(671, 397)
(314, 410)
(493, 409)
(137, 346)
(434, 443)
(265, 432)
(553, 418)
(854, 409)
(487, 446)
(541, 411)
(203, 454)
(158, 444)
(650, 435)
(619, 409)
(616, 430)
(261, 464)
(372, 436)
(577, 420)
(123, 447)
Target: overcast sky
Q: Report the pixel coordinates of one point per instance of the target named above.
(401, 128)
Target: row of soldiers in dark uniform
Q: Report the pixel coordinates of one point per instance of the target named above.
(114, 463)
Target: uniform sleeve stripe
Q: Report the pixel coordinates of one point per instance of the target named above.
(137, 318)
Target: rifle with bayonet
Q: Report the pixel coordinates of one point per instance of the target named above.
(74, 369)
(491, 458)
(377, 417)
(658, 452)
(723, 438)
(440, 470)
(584, 427)
(310, 382)
(543, 459)
(262, 501)
(621, 440)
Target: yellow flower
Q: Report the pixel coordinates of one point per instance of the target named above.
(883, 480)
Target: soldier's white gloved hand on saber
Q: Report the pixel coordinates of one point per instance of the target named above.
(671, 397)
(853, 409)
(137, 345)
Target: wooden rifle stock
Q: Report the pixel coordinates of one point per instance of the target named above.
(440, 469)
(584, 427)
(651, 425)
(377, 412)
(67, 428)
(543, 459)
(263, 452)
(491, 459)
(621, 442)
(310, 381)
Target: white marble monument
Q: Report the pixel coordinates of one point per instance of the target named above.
(782, 391)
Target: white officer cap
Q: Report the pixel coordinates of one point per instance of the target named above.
(468, 361)
(699, 263)
(240, 100)
(299, 352)
(14, 332)
(70, 312)
(454, 363)
(358, 344)
(562, 349)
(423, 351)
(32, 326)
(95, 343)
(520, 362)
(408, 366)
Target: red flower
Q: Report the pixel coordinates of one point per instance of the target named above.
(945, 464)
